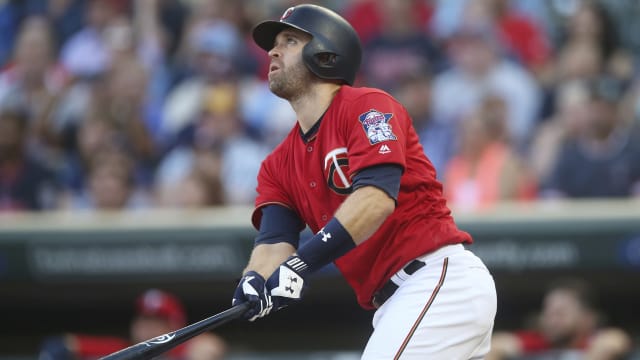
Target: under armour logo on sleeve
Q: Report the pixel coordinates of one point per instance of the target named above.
(325, 236)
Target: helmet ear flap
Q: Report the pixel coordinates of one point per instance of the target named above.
(326, 59)
(321, 62)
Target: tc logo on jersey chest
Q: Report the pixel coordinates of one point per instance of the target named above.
(376, 126)
(336, 168)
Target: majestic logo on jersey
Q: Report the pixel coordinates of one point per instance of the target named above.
(384, 149)
(336, 168)
(376, 126)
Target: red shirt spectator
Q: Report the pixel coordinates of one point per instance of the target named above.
(157, 313)
(367, 19)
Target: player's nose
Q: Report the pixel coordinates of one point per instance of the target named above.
(274, 52)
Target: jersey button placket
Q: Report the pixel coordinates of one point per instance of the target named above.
(309, 148)
(312, 184)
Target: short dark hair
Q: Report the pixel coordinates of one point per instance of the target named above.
(582, 290)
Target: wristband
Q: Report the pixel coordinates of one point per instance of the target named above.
(328, 244)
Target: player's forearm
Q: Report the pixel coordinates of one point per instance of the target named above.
(364, 211)
(266, 258)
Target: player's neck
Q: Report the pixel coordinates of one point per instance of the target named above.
(310, 106)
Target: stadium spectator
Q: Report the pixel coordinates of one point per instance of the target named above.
(193, 191)
(593, 23)
(86, 52)
(368, 16)
(32, 81)
(486, 169)
(479, 69)
(190, 177)
(159, 26)
(220, 133)
(93, 135)
(116, 99)
(521, 38)
(157, 312)
(209, 62)
(65, 16)
(574, 61)
(102, 114)
(123, 103)
(25, 183)
(438, 137)
(568, 328)
(571, 102)
(401, 47)
(577, 61)
(603, 160)
(109, 185)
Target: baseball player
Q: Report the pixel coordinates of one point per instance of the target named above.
(353, 171)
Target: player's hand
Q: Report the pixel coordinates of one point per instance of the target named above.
(251, 288)
(286, 284)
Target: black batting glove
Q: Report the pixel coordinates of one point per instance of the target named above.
(251, 289)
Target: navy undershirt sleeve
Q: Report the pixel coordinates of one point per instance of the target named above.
(385, 177)
(279, 224)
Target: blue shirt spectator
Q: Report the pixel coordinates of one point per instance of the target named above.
(603, 160)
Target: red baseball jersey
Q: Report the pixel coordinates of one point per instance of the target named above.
(362, 127)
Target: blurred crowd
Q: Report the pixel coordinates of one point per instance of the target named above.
(125, 104)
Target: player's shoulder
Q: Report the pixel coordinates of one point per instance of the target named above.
(349, 93)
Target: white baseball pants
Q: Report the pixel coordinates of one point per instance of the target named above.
(445, 310)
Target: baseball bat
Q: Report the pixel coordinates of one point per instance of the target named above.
(153, 347)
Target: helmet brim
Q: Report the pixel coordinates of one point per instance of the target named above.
(264, 34)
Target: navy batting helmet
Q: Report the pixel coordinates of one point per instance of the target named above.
(331, 34)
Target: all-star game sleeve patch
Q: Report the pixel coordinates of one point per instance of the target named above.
(376, 126)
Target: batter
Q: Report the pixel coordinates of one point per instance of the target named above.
(353, 171)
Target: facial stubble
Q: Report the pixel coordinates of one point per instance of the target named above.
(291, 83)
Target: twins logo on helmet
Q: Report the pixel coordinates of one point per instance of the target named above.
(287, 13)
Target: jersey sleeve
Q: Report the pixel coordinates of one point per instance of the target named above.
(270, 190)
(376, 131)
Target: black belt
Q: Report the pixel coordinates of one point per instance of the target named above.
(390, 287)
